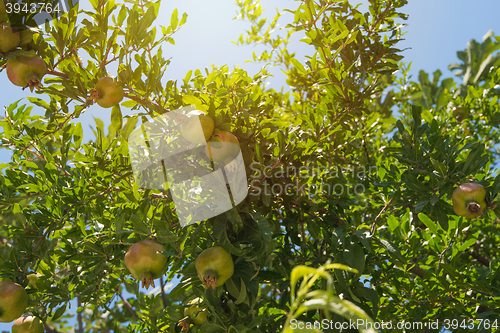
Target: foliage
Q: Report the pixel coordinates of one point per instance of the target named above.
(352, 168)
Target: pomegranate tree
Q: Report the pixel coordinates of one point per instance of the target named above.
(145, 261)
(107, 92)
(214, 266)
(26, 71)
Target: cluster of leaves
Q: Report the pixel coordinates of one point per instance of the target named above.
(333, 177)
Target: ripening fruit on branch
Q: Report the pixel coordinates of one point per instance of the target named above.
(223, 147)
(469, 200)
(214, 266)
(195, 313)
(145, 261)
(9, 37)
(27, 324)
(26, 71)
(33, 280)
(459, 112)
(13, 301)
(190, 127)
(107, 92)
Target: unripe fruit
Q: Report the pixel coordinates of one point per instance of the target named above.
(13, 301)
(27, 324)
(33, 280)
(107, 92)
(459, 112)
(200, 313)
(144, 261)
(214, 266)
(26, 71)
(195, 315)
(469, 200)
(223, 147)
(189, 129)
(9, 38)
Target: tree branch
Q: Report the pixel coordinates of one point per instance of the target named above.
(79, 316)
(127, 304)
(416, 269)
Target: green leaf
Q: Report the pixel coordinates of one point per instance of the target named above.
(117, 118)
(174, 19)
(393, 223)
(468, 243)
(433, 227)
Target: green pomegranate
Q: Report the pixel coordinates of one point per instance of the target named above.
(27, 324)
(13, 301)
(107, 92)
(26, 71)
(222, 147)
(196, 312)
(469, 200)
(145, 262)
(214, 266)
(459, 112)
(190, 126)
(33, 280)
(9, 37)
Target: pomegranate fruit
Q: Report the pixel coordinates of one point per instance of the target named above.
(469, 200)
(13, 301)
(189, 129)
(107, 92)
(195, 314)
(459, 112)
(27, 324)
(25, 71)
(33, 280)
(222, 147)
(9, 37)
(145, 263)
(214, 266)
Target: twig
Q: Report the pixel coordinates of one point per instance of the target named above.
(79, 315)
(266, 176)
(163, 297)
(56, 73)
(416, 269)
(127, 304)
(380, 214)
(146, 103)
(50, 329)
(485, 262)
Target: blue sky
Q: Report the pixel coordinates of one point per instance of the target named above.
(436, 31)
